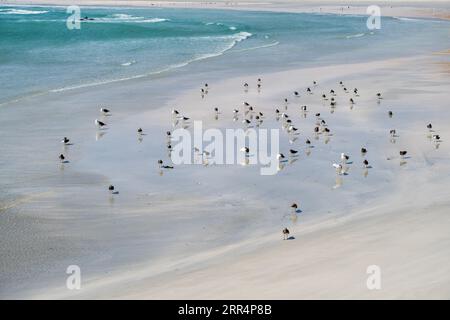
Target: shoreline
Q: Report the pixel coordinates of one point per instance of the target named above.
(414, 9)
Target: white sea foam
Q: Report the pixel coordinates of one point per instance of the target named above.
(121, 17)
(359, 35)
(128, 63)
(238, 37)
(21, 11)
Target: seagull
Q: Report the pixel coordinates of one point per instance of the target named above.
(100, 124)
(235, 111)
(293, 152)
(390, 113)
(65, 140)
(363, 150)
(344, 157)
(403, 153)
(308, 142)
(392, 132)
(140, 131)
(430, 126)
(175, 113)
(280, 156)
(285, 233)
(111, 188)
(245, 149)
(185, 118)
(62, 158)
(332, 92)
(105, 111)
(324, 97)
(292, 128)
(303, 108)
(160, 163)
(436, 137)
(366, 163)
(352, 101)
(379, 95)
(296, 93)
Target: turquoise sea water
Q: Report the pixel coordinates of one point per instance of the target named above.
(38, 53)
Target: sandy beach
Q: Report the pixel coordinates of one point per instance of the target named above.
(425, 9)
(214, 232)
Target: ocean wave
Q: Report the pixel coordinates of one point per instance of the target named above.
(273, 44)
(238, 37)
(128, 63)
(126, 18)
(406, 19)
(358, 35)
(21, 11)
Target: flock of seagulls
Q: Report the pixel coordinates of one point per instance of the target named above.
(251, 117)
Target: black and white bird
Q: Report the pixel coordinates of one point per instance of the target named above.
(403, 153)
(296, 94)
(111, 188)
(363, 151)
(436, 137)
(392, 132)
(99, 123)
(105, 111)
(379, 95)
(430, 127)
(352, 101)
(285, 233)
(65, 141)
(245, 149)
(390, 114)
(344, 157)
(62, 158)
(140, 131)
(304, 108)
(175, 113)
(366, 163)
(161, 166)
(280, 156)
(293, 152)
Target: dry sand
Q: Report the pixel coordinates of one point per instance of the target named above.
(426, 9)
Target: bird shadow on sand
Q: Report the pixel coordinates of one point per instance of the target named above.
(291, 238)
